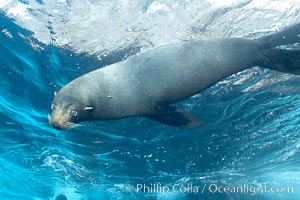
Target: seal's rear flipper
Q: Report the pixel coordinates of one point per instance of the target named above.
(174, 116)
(287, 36)
(282, 60)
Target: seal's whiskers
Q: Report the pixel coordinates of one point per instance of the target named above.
(49, 119)
(72, 125)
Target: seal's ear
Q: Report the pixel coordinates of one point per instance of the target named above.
(55, 93)
(88, 108)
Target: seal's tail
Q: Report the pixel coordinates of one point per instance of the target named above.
(283, 60)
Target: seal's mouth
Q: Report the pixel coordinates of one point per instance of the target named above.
(60, 124)
(57, 126)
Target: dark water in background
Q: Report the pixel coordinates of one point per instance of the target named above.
(250, 138)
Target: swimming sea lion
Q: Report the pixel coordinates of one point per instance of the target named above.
(146, 84)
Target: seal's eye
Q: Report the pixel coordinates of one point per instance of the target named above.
(73, 113)
(53, 106)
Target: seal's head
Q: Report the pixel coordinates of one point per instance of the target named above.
(67, 111)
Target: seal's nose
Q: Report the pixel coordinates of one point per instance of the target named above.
(56, 125)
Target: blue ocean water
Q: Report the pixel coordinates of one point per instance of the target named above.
(250, 138)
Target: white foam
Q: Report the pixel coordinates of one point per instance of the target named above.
(218, 3)
(156, 6)
(101, 27)
(4, 3)
(19, 11)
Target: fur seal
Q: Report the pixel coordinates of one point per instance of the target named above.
(147, 84)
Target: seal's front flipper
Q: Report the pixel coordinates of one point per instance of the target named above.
(174, 116)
